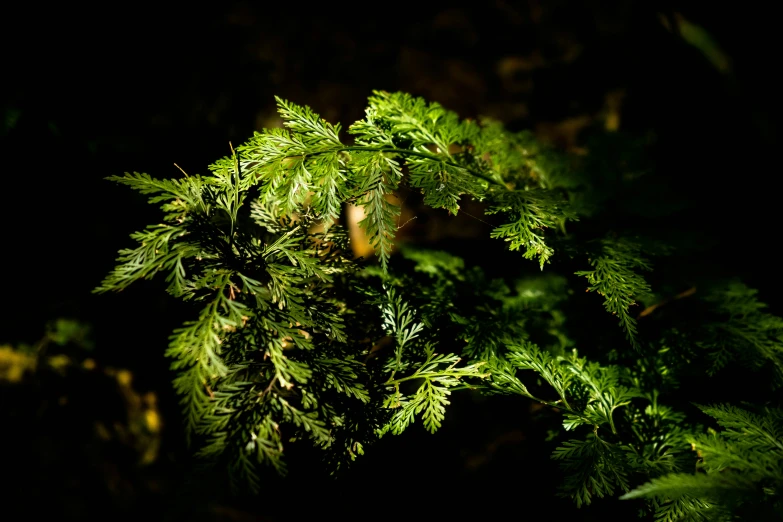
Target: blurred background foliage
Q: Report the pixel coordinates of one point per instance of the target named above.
(680, 92)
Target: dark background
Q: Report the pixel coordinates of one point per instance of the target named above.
(89, 92)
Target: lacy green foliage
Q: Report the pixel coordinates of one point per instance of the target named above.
(264, 287)
(630, 434)
(530, 213)
(445, 158)
(294, 340)
(739, 470)
(615, 277)
(484, 313)
(726, 327)
(435, 375)
(745, 334)
(593, 467)
(272, 291)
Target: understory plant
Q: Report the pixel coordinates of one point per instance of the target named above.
(293, 338)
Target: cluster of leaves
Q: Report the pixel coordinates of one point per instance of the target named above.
(739, 470)
(616, 431)
(723, 330)
(630, 435)
(438, 154)
(615, 277)
(743, 332)
(254, 242)
(297, 340)
(479, 313)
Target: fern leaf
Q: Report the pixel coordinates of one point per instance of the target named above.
(615, 278)
(531, 212)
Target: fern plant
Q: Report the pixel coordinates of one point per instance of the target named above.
(295, 339)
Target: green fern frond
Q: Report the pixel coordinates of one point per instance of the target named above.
(293, 340)
(530, 213)
(746, 332)
(676, 485)
(687, 509)
(593, 468)
(615, 277)
(431, 397)
(763, 432)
